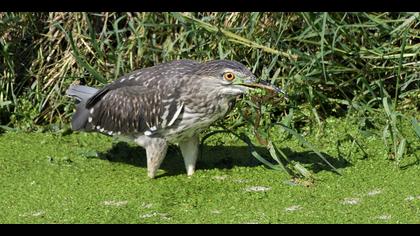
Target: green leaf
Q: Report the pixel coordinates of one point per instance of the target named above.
(416, 126)
(310, 146)
(386, 106)
(7, 128)
(5, 103)
(273, 152)
(302, 170)
(254, 153)
(401, 149)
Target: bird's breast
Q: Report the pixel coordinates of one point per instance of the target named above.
(195, 119)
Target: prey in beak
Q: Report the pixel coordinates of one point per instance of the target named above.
(266, 86)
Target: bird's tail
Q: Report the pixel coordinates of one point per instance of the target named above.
(82, 94)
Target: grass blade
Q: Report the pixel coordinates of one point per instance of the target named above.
(80, 60)
(282, 162)
(416, 126)
(310, 146)
(387, 108)
(254, 152)
(233, 37)
(401, 149)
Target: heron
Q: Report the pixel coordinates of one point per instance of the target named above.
(169, 103)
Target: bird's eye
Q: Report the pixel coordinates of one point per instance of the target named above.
(229, 76)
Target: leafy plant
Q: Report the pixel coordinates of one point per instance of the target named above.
(355, 65)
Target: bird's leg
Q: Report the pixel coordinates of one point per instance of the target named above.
(156, 151)
(189, 149)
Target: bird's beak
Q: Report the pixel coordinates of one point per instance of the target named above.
(264, 85)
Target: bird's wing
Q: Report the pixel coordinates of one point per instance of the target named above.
(132, 109)
(151, 77)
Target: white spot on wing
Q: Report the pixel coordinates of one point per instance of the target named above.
(176, 114)
(147, 133)
(90, 119)
(153, 128)
(122, 80)
(91, 110)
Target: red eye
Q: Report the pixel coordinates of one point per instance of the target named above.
(229, 76)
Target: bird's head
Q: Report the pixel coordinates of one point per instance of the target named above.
(230, 78)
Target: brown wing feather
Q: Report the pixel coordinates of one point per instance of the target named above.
(132, 109)
(144, 99)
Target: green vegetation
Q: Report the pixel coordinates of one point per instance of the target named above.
(88, 178)
(331, 64)
(353, 82)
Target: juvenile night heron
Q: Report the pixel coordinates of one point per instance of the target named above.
(166, 103)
